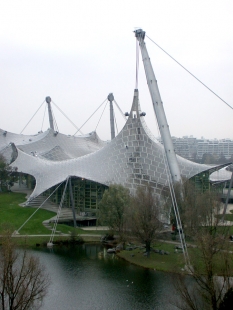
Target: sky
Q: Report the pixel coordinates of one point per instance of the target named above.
(77, 52)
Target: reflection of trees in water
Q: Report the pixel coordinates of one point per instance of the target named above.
(142, 287)
(106, 256)
(152, 287)
(92, 251)
(105, 283)
(78, 251)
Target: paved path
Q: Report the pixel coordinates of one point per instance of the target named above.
(63, 235)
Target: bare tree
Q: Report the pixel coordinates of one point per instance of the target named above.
(196, 208)
(23, 280)
(145, 211)
(211, 263)
(186, 198)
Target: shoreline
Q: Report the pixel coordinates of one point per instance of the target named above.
(166, 263)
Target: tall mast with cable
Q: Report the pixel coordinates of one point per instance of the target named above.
(158, 109)
(171, 159)
(48, 100)
(110, 99)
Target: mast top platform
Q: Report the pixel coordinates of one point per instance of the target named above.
(139, 33)
(110, 97)
(48, 99)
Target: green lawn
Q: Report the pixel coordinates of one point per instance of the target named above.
(13, 214)
(172, 262)
(229, 217)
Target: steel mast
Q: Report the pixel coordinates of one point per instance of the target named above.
(111, 99)
(165, 134)
(158, 109)
(48, 100)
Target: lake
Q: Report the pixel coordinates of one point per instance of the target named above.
(86, 277)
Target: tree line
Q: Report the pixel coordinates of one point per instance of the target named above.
(210, 259)
(8, 175)
(135, 216)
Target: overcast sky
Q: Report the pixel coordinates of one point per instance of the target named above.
(78, 52)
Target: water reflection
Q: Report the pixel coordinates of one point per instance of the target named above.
(86, 277)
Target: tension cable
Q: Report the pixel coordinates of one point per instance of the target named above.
(191, 73)
(39, 207)
(90, 116)
(101, 116)
(33, 116)
(66, 117)
(137, 63)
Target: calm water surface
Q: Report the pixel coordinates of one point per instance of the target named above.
(84, 279)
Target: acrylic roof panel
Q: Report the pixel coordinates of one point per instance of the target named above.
(18, 139)
(133, 158)
(67, 146)
(51, 145)
(56, 154)
(221, 175)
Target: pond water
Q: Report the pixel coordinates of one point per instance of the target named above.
(84, 278)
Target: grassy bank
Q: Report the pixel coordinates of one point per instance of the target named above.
(31, 235)
(15, 215)
(172, 262)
